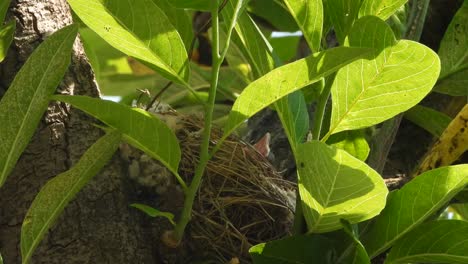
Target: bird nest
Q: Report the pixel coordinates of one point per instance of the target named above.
(242, 200)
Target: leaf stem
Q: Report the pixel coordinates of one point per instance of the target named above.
(321, 106)
(192, 190)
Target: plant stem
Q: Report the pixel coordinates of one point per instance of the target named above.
(321, 106)
(204, 151)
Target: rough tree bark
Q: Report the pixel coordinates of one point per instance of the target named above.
(98, 226)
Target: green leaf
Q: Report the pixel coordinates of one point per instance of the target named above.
(431, 120)
(250, 39)
(140, 128)
(179, 19)
(301, 249)
(6, 37)
(292, 111)
(413, 204)
(359, 254)
(285, 47)
(4, 4)
(140, 29)
(342, 14)
(382, 9)
(287, 79)
(443, 241)
(59, 191)
(354, 142)
(309, 16)
(335, 185)
(367, 92)
(454, 55)
(153, 212)
(275, 13)
(461, 210)
(203, 5)
(1, 259)
(27, 98)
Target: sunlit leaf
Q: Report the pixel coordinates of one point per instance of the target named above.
(309, 16)
(367, 92)
(453, 54)
(140, 29)
(287, 79)
(382, 9)
(334, 185)
(59, 191)
(27, 98)
(433, 121)
(353, 142)
(443, 241)
(342, 14)
(412, 205)
(139, 128)
(153, 212)
(6, 37)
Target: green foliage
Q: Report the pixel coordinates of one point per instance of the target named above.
(139, 29)
(441, 241)
(154, 212)
(28, 96)
(367, 92)
(454, 56)
(58, 192)
(431, 120)
(287, 79)
(139, 128)
(414, 203)
(193, 4)
(3, 9)
(342, 14)
(6, 37)
(334, 185)
(382, 9)
(353, 141)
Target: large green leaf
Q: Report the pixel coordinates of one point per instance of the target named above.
(140, 29)
(411, 205)
(275, 13)
(6, 37)
(59, 191)
(179, 19)
(4, 4)
(204, 5)
(28, 96)
(433, 121)
(453, 54)
(353, 141)
(367, 92)
(443, 241)
(140, 128)
(250, 39)
(335, 185)
(287, 79)
(382, 9)
(342, 14)
(292, 111)
(309, 16)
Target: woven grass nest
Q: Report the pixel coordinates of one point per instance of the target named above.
(242, 200)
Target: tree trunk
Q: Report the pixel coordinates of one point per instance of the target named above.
(98, 226)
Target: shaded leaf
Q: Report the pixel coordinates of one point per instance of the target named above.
(461, 210)
(443, 241)
(153, 212)
(4, 4)
(342, 14)
(59, 191)
(275, 13)
(287, 79)
(412, 204)
(6, 37)
(454, 55)
(292, 111)
(382, 9)
(433, 121)
(334, 185)
(27, 98)
(353, 142)
(309, 16)
(359, 254)
(140, 29)
(139, 128)
(367, 92)
(204, 5)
